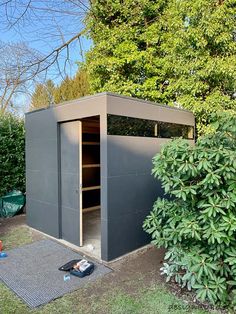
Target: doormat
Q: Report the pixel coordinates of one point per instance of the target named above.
(31, 271)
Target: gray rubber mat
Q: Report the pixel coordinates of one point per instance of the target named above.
(31, 271)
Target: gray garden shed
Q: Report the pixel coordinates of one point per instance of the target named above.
(88, 169)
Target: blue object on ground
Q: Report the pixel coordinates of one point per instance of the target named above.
(3, 254)
(66, 277)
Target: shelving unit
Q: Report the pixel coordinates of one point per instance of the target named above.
(90, 143)
(92, 208)
(91, 188)
(90, 165)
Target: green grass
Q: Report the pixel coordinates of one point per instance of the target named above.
(155, 300)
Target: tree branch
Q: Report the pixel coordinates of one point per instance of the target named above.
(21, 15)
(55, 52)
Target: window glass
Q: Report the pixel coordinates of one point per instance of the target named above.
(121, 125)
(170, 130)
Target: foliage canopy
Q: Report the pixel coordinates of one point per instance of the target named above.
(70, 88)
(173, 52)
(43, 95)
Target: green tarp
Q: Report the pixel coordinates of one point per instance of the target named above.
(11, 203)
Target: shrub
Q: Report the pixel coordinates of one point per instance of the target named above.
(197, 222)
(12, 153)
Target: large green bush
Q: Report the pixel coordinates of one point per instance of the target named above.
(12, 153)
(197, 223)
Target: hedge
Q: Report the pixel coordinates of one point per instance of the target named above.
(12, 153)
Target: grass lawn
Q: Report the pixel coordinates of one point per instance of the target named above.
(156, 300)
(113, 294)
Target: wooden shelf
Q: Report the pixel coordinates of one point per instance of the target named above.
(89, 209)
(90, 143)
(90, 188)
(90, 165)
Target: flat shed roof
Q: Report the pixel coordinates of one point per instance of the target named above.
(75, 101)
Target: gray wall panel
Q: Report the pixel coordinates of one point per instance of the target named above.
(42, 186)
(41, 172)
(70, 159)
(132, 193)
(41, 216)
(41, 125)
(80, 108)
(104, 197)
(46, 149)
(70, 225)
(131, 155)
(70, 189)
(104, 239)
(122, 235)
(131, 190)
(133, 107)
(126, 234)
(142, 237)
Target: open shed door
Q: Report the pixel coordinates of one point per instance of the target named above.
(71, 182)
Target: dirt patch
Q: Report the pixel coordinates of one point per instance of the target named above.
(131, 273)
(8, 224)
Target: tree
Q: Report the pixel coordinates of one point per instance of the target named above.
(64, 91)
(64, 26)
(72, 88)
(15, 75)
(179, 53)
(43, 95)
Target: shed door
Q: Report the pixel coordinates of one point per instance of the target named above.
(71, 209)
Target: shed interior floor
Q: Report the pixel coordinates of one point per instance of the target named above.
(92, 233)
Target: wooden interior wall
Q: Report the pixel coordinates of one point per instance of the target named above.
(90, 164)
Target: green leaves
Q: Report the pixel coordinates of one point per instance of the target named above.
(197, 224)
(139, 45)
(206, 292)
(212, 290)
(212, 207)
(12, 154)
